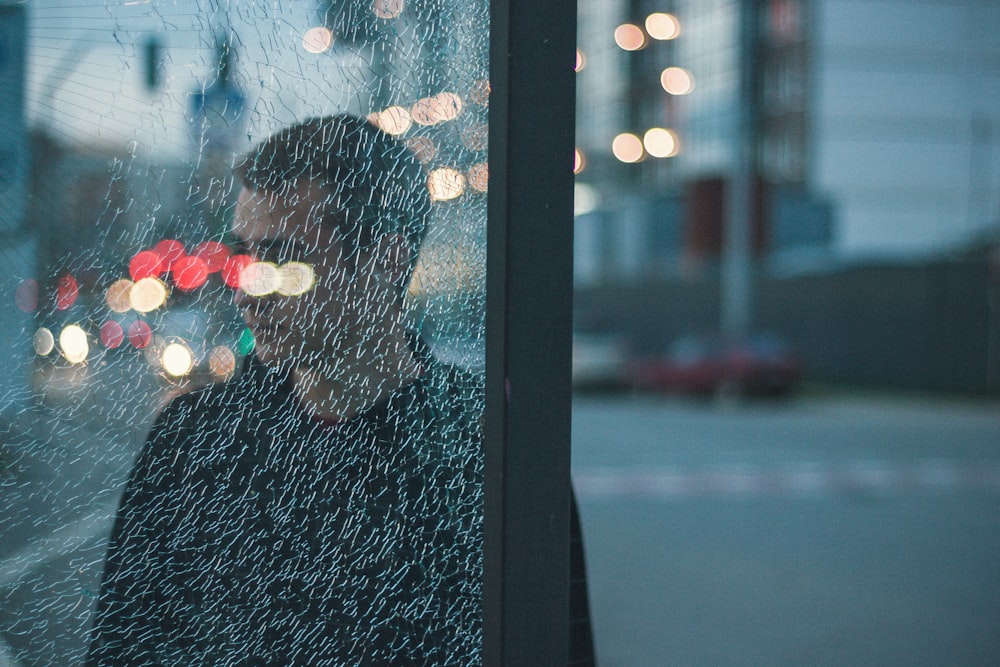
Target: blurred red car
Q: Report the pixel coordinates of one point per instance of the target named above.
(760, 365)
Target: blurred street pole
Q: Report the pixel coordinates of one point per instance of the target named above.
(737, 263)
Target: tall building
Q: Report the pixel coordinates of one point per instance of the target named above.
(874, 125)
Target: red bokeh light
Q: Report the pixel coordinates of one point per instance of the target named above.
(139, 334)
(214, 254)
(145, 264)
(234, 266)
(112, 334)
(189, 273)
(67, 291)
(171, 251)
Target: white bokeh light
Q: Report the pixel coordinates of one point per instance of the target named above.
(73, 344)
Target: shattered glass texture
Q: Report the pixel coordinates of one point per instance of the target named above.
(152, 418)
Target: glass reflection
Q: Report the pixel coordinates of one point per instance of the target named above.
(130, 295)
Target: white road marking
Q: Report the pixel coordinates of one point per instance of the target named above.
(805, 479)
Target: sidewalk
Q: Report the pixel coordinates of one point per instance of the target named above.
(64, 460)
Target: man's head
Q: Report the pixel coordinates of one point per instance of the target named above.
(373, 185)
(350, 203)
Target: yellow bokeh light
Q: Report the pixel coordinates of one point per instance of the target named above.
(450, 105)
(317, 40)
(44, 342)
(295, 279)
(445, 184)
(479, 177)
(627, 148)
(260, 279)
(677, 81)
(387, 9)
(222, 362)
(73, 344)
(437, 109)
(176, 359)
(579, 161)
(147, 295)
(117, 296)
(663, 26)
(394, 120)
(630, 37)
(426, 111)
(581, 61)
(660, 142)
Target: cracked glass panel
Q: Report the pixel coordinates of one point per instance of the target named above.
(240, 407)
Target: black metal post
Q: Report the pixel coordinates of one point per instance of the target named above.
(528, 333)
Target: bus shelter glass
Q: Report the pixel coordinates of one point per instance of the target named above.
(240, 408)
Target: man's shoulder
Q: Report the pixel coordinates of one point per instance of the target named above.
(217, 402)
(453, 389)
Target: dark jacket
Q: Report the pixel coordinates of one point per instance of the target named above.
(251, 533)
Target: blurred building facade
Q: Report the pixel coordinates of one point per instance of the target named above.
(875, 129)
(874, 134)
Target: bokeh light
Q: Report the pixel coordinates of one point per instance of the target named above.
(139, 334)
(169, 251)
(630, 37)
(445, 184)
(627, 147)
(579, 161)
(260, 279)
(450, 105)
(677, 81)
(480, 92)
(44, 342)
(146, 264)
(26, 295)
(295, 279)
(147, 295)
(246, 343)
(426, 111)
(437, 109)
(388, 9)
(233, 268)
(67, 291)
(73, 344)
(476, 137)
(189, 273)
(394, 120)
(317, 40)
(660, 142)
(581, 61)
(117, 296)
(479, 177)
(585, 198)
(663, 26)
(176, 359)
(112, 334)
(214, 254)
(221, 362)
(423, 148)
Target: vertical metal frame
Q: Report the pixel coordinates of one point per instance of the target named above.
(528, 333)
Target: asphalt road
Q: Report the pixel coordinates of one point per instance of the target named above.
(825, 531)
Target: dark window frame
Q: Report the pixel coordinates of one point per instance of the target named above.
(528, 333)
